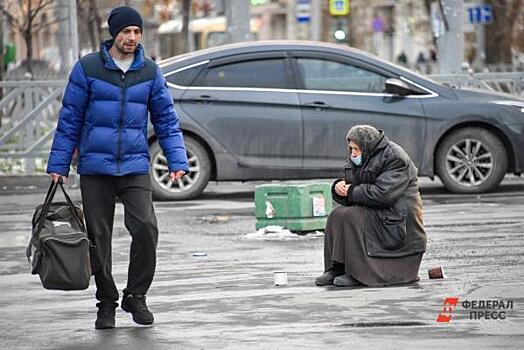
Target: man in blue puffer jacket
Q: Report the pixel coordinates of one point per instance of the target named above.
(104, 118)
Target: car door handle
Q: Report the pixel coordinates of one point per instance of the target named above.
(203, 99)
(317, 104)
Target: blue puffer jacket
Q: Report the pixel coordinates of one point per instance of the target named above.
(105, 115)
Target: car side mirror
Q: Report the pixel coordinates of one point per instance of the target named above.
(397, 87)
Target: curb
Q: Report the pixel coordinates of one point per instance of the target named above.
(31, 183)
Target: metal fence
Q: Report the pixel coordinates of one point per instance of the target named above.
(28, 112)
(510, 83)
(29, 109)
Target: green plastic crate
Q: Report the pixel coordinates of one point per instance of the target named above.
(295, 207)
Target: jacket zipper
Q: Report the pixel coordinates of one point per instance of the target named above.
(120, 123)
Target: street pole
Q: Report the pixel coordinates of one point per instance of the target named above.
(450, 45)
(2, 31)
(316, 20)
(61, 12)
(186, 16)
(73, 22)
(238, 18)
(1, 53)
(481, 45)
(291, 20)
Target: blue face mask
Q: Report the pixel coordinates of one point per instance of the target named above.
(356, 160)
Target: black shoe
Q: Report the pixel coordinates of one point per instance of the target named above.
(346, 281)
(327, 278)
(105, 317)
(136, 305)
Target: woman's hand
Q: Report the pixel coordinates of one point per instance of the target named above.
(341, 188)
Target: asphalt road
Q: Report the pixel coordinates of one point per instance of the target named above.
(227, 299)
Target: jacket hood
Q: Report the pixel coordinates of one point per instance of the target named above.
(138, 62)
(368, 141)
(378, 144)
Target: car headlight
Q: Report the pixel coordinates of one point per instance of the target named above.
(516, 104)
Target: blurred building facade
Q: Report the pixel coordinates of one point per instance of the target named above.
(391, 29)
(395, 30)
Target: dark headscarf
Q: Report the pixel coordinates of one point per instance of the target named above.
(364, 136)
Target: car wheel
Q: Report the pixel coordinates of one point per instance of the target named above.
(471, 160)
(189, 186)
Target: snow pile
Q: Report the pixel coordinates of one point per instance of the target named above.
(280, 233)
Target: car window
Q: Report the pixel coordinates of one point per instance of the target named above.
(184, 77)
(320, 74)
(264, 73)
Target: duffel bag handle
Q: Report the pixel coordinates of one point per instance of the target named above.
(49, 200)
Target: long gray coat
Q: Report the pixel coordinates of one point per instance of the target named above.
(386, 184)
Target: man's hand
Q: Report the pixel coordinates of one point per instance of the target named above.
(341, 188)
(175, 175)
(57, 177)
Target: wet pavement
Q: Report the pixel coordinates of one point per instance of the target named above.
(226, 298)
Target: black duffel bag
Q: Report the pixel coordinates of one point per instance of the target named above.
(59, 247)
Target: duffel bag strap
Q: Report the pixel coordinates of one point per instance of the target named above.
(39, 222)
(38, 213)
(47, 204)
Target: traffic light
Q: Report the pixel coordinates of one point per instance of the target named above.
(340, 35)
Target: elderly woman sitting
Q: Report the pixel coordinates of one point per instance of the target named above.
(376, 237)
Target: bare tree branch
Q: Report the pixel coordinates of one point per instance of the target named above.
(39, 26)
(41, 5)
(23, 20)
(21, 6)
(10, 17)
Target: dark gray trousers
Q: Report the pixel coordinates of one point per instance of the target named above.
(99, 195)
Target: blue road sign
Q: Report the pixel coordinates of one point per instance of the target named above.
(481, 14)
(303, 11)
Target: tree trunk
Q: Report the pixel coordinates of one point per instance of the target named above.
(92, 35)
(91, 30)
(94, 25)
(97, 21)
(28, 37)
(2, 50)
(186, 6)
(516, 16)
(498, 34)
(1, 60)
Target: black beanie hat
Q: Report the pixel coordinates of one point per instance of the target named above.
(122, 17)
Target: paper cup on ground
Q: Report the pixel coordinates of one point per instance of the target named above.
(436, 272)
(280, 278)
